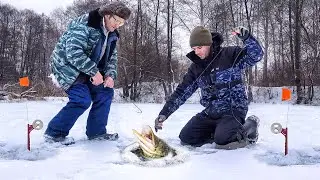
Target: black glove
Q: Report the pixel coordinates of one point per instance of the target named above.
(242, 32)
(158, 122)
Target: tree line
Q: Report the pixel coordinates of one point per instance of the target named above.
(150, 48)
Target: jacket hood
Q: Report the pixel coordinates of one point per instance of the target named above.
(95, 19)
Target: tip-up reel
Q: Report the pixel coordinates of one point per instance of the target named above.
(276, 128)
(37, 124)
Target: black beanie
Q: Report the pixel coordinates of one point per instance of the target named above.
(115, 8)
(200, 36)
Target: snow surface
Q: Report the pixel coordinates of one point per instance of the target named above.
(114, 160)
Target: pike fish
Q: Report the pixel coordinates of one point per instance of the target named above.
(151, 146)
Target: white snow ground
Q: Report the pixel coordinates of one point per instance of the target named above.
(107, 160)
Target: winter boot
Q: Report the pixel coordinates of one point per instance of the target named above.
(110, 137)
(61, 140)
(240, 142)
(233, 145)
(251, 128)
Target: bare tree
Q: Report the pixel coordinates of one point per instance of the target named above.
(297, 51)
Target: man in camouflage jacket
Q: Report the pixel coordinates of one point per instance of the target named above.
(84, 64)
(217, 71)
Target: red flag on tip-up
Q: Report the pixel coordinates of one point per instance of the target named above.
(24, 81)
(286, 94)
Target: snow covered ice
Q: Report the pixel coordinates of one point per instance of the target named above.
(109, 160)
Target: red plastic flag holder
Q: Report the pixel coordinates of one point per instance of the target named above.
(276, 128)
(37, 125)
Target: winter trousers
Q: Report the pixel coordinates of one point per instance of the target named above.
(81, 95)
(222, 130)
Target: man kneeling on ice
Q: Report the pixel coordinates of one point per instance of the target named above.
(217, 71)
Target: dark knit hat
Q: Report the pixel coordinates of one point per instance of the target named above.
(115, 8)
(200, 36)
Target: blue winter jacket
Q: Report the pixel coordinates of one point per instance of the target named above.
(78, 50)
(219, 77)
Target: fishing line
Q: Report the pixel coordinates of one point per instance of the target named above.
(137, 107)
(287, 116)
(229, 84)
(27, 111)
(179, 98)
(231, 93)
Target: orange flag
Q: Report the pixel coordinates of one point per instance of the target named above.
(24, 81)
(286, 94)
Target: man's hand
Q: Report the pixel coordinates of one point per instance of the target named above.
(242, 32)
(108, 82)
(158, 122)
(97, 79)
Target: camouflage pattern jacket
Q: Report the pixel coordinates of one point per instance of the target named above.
(78, 51)
(219, 77)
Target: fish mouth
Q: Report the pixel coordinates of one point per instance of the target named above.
(147, 140)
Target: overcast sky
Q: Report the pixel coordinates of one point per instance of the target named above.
(47, 6)
(39, 6)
